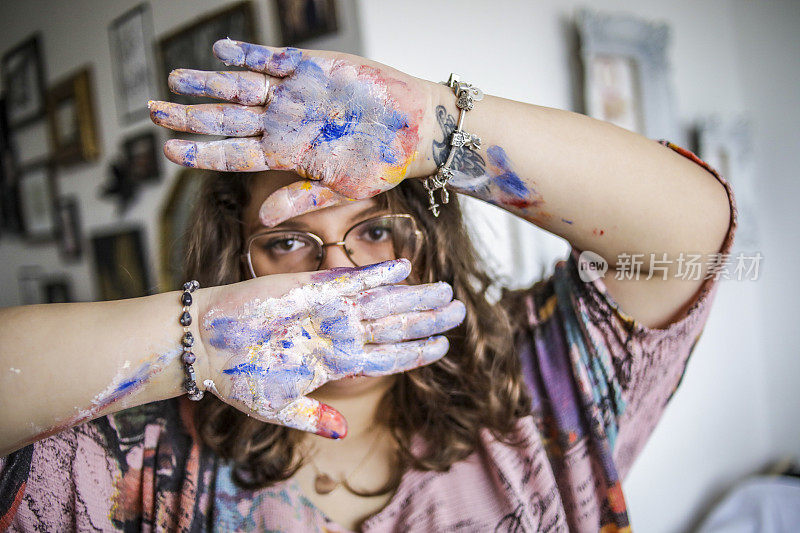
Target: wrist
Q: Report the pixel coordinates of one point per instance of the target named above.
(202, 366)
(438, 96)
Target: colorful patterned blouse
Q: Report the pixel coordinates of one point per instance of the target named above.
(599, 380)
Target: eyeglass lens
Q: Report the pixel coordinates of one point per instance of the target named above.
(371, 241)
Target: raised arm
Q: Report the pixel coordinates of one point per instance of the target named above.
(261, 346)
(356, 128)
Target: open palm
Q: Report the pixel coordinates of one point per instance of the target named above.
(350, 125)
(266, 354)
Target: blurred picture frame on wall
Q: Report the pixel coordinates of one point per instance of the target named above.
(23, 82)
(626, 74)
(190, 46)
(70, 232)
(173, 226)
(120, 263)
(142, 154)
(130, 38)
(56, 289)
(73, 126)
(37, 205)
(301, 20)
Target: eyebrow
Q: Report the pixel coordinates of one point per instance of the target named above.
(302, 226)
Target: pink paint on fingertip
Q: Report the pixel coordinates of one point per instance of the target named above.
(332, 424)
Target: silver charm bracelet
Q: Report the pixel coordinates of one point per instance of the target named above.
(466, 96)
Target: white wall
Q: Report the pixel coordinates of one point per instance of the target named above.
(75, 33)
(736, 408)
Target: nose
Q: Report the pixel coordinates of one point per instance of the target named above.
(335, 257)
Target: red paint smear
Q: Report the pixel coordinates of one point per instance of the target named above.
(409, 139)
(595, 231)
(331, 423)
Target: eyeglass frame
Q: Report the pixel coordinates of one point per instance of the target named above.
(246, 257)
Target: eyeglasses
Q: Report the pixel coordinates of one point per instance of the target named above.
(370, 241)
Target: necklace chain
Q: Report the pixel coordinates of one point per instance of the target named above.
(325, 484)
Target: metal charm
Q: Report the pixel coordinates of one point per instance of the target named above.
(466, 96)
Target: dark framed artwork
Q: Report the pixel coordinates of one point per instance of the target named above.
(70, 233)
(141, 154)
(56, 289)
(129, 37)
(173, 227)
(36, 196)
(29, 279)
(301, 20)
(10, 219)
(73, 127)
(23, 82)
(119, 263)
(190, 45)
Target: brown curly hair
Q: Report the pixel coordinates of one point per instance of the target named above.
(477, 385)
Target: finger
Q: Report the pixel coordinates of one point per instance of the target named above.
(308, 414)
(353, 280)
(394, 299)
(417, 325)
(228, 155)
(295, 199)
(247, 88)
(273, 61)
(211, 119)
(384, 359)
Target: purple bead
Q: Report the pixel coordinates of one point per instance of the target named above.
(188, 339)
(186, 318)
(186, 299)
(189, 358)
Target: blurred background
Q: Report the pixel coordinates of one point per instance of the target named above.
(92, 210)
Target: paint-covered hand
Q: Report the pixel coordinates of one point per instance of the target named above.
(266, 353)
(351, 126)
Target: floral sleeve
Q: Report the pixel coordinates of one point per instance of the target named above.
(599, 379)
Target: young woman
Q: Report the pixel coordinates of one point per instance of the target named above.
(530, 421)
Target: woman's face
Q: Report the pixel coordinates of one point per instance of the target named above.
(330, 224)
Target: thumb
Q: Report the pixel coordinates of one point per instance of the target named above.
(308, 414)
(295, 199)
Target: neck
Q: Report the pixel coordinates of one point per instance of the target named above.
(357, 399)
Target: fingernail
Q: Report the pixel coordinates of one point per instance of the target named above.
(181, 152)
(157, 112)
(229, 52)
(331, 423)
(434, 349)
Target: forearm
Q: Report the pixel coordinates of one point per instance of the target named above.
(63, 364)
(601, 187)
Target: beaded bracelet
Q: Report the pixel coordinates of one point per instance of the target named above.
(466, 96)
(187, 340)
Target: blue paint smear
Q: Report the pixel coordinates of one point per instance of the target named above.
(330, 326)
(246, 368)
(190, 85)
(508, 181)
(190, 157)
(127, 385)
(306, 334)
(567, 221)
(286, 344)
(332, 130)
(160, 113)
(228, 334)
(284, 61)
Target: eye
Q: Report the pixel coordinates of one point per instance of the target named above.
(376, 232)
(284, 245)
